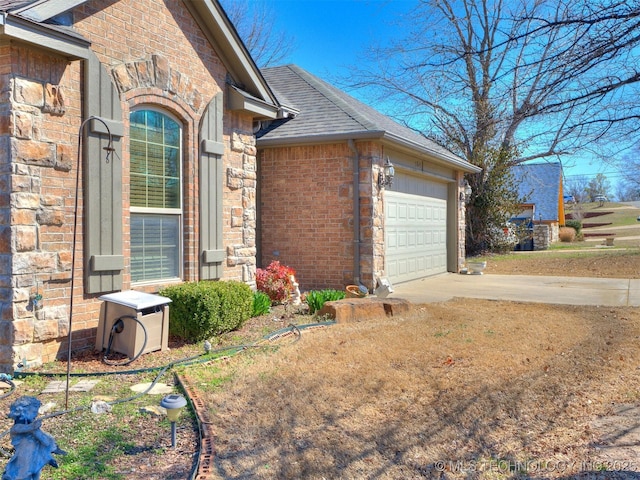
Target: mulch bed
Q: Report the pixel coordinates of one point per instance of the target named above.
(150, 456)
(594, 225)
(598, 234)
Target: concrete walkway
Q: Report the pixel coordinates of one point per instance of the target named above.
(524, 288)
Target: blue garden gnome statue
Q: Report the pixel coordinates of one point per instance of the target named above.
(33, 447)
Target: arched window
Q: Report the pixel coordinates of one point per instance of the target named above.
(156, 196)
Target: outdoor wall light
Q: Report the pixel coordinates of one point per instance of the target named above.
(174, 404)
(385, 177)
(466, 193)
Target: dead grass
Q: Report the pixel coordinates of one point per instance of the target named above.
(567, 234)
(603, 263)
(456, 387)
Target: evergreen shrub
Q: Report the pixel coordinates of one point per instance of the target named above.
(200, 310)
(575, 224)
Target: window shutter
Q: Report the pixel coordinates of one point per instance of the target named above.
(211, 150)
(104, 259)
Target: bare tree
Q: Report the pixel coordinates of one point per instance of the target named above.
(254, 21)
(544, 79)
(576, 186)
(627, 192)
(630, 167)
(547, 77)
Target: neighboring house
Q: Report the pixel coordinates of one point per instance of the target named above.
(174, 201)
(321, 209)
(540, 184)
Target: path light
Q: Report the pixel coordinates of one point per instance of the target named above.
(174, 404)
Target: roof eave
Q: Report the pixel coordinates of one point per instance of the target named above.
(408, 145)
(37, 34)
(240, 101)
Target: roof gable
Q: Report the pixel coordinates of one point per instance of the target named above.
(330, 114)
(224, 38)
(540, 184)
(32, 21)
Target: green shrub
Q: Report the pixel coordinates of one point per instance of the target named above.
(575, 224)
(261, 304)
(317, 298)
(200, 310)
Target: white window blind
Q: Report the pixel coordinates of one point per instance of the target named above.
(156, 197)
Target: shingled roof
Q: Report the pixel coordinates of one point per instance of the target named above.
(326, 114)
(539, 183)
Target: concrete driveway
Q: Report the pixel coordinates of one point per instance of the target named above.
(524, 288)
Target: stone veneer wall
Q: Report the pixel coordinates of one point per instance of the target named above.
(243, 179)
(545, 234)
(555, 232)
(541, 236)
(37, 158)
(377, 212)
(462, 223)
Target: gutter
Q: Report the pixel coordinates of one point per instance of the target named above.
(443, 157)
(356, 211)
(318, 138)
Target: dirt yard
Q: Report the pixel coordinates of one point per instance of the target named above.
(462, 389)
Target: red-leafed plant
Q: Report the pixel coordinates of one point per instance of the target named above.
(275, 281)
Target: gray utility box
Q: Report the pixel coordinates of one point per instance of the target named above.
(152, 311)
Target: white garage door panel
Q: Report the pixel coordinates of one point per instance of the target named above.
(416, 234)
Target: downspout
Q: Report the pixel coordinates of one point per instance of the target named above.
(356, 211)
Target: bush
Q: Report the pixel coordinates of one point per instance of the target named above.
(261, 304)
(575, 224)
(567, 234)
(317, 298)
(275, 281)
(200, 310)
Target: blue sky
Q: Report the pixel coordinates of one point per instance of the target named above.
(330, 35)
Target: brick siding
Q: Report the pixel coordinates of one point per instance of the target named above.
(306, 212)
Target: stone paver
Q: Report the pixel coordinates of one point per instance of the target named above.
(58, 386)
(158, 388)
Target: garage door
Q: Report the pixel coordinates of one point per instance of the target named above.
(415, 229)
